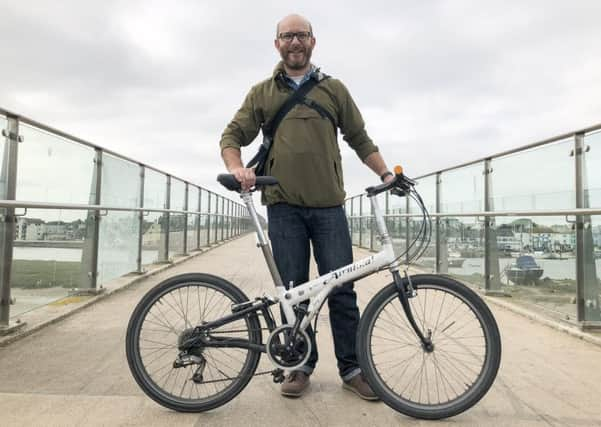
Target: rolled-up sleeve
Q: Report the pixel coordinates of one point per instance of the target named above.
(244, 127)
(353, 127)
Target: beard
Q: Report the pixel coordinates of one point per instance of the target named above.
(296, 62)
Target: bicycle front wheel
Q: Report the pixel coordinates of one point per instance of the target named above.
(213, 376)
(435, 384)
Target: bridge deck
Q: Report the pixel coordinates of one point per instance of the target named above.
(75, 372)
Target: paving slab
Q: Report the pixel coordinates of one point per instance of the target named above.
(74, 372)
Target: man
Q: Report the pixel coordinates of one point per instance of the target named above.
(306, 206)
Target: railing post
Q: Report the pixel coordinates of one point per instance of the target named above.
(371, 226)
(352, 219)
(407, 233)
(8, 189)
(442, 251)
(216, 225)
(588, 299)
(141, 219)
(197, 224)
(185, 218)
(492, 276)
(228, 233)
(361, 221)
(90, 249)
(209, 219)
(164, 248)
(222, 218)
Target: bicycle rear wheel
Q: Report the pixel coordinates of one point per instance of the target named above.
(176, 305)
(437, 384)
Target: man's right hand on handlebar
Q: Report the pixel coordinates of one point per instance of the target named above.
(245, 176)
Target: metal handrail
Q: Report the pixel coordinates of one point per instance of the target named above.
(73, 138)
(81, 207)
(516, 150)
(561, 212)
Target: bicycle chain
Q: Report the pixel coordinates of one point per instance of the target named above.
(240, 377)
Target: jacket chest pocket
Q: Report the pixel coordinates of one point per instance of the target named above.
(304, 130)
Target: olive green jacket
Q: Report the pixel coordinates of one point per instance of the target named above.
(304, 157)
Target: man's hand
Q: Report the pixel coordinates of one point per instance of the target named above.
(389, 178)
(245, 176)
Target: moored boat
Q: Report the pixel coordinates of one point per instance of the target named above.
(524, 270)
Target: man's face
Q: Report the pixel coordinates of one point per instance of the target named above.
(295, 53)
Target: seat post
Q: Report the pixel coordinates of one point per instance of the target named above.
(246, 197)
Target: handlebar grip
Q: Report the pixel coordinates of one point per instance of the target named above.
(231, 183)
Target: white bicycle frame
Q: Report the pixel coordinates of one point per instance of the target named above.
(317, 290)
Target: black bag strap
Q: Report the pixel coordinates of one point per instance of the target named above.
(297, 97)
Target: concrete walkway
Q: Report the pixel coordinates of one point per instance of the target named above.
(75, 372)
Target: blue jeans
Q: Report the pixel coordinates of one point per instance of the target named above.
(291, 228)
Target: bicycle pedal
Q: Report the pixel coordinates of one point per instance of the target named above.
(278, 376)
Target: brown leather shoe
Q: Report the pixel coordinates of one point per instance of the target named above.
(359, 386)
(295, 384)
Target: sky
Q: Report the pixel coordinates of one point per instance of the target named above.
(438, 83)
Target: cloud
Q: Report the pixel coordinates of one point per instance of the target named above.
(439, 83)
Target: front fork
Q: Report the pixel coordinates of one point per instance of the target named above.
(405, 291)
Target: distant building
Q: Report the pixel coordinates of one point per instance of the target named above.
(29, 229)
(37, 229)
(55, 230)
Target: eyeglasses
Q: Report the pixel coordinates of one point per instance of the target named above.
(302, 36)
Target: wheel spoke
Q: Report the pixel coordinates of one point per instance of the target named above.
(170, 313)
(410, 374)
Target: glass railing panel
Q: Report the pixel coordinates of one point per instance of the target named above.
(53, 169)
(462, 190)
(216, 221)
(218, 218)
(537, 262)
(193, 220)
(211, 219)
(222, 218)
(154, 223)
(397, 226)
(592, 233)
(204, 235)
(355, 222)
(3, 126)
(119, 230)
(364, 220)
(204, 219)
(536, 179)
(426, 188)
(47, 258)
(177, 221)
(376, 242)
(229, 218)
(464, 239)
(3, 148)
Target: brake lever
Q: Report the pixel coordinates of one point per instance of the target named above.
(398, 192)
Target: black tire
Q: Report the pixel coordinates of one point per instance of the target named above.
(464, 362)
(160, 315)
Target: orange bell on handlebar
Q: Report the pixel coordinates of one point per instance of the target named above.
(398, 170)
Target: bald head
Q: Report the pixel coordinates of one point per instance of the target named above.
(295, 21)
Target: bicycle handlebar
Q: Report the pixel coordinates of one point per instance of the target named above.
(400, 185)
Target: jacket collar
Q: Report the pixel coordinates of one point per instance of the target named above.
(279, 73)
